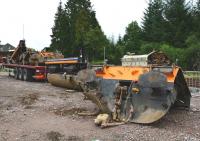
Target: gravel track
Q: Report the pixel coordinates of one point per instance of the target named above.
(36, 111)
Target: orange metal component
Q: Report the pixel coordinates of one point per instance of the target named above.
(131, 73)
(46, 54)
(39, 76)
(61, 62)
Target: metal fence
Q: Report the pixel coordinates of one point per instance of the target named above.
(193, 79)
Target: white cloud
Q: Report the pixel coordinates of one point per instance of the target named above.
(115, 15)
(37, 16)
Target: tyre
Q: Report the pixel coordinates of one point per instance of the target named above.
(20, 74)
(27, 75)
(9, 72)
(16, 72)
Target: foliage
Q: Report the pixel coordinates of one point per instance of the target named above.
(77, 32)
(153, 22)
(170, 26)
(177, 22)
(111, 52)
(60, 34)
(175, 54)
(192, 54)
(173, 27)
(196, 18)
(132, 38)
(149, 47)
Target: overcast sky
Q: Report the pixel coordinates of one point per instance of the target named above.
(37, 16)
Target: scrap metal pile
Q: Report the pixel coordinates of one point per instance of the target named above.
(159, 58)
(138, 94)
(27, 56)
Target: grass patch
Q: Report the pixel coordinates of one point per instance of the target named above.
(97, 62)
(195, 74)
(3, 69)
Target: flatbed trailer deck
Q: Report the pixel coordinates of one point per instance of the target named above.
(30, 72)
(26, 72)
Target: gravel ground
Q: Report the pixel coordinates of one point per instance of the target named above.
(36, 111)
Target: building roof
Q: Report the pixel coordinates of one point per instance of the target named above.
(6, 47)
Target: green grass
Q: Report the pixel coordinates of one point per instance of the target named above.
(3, 70)
(97, 62)
(192, 74)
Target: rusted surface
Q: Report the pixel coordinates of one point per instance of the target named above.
(159, 58)
(65, 81)
(26, 56)
(140, 94)
(148, 104)
(145, 97)
(132, 73)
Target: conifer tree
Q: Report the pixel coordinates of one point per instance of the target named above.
(196, 19)
(60, 33)
(77, 32)
(178, 22)
(132, 38)
(153, 29)
(86, 33)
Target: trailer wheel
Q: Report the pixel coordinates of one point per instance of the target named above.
(16, 72)
(20, 74)
(27, 74)
(9, 72)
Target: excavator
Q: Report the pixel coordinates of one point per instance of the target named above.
(140, 93)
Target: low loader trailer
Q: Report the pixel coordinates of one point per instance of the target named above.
(27, 64)
(26, 72)
(39, 73)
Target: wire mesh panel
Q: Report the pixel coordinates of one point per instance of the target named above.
(193, 79)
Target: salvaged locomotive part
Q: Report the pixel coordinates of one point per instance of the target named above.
(130, 94)
(142, 94)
